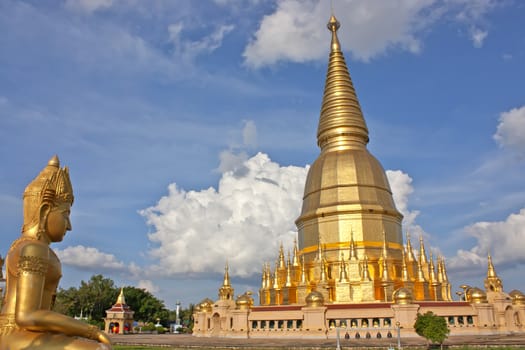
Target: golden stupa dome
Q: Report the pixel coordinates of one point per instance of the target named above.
(476, 295)
(244, 301)
(314, 299)
(403, 296)
(330, 183)
(518, 298)
(206, 305)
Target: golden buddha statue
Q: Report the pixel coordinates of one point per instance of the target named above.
(33, 271)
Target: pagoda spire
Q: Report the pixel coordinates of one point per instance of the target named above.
(341, 125)
(410, 250)
(492, 283)
(304, 281)
(365, 276)
(422, 251)
(404, 269)
(226, 290)
(226, 281)
(282, 263)
(491, 271)
(343, 275)
(121, 300)
(295, 260)
(385, 248)
(353, 255)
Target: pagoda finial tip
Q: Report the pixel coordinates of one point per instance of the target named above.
(333, 24)
(54, 161)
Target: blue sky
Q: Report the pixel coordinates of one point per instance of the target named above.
(188, 127)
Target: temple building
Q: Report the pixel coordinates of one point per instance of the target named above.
(349, 267)
(119, 319)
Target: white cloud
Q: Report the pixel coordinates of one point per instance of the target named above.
(296, 31)
(242, 221)
(472, 10)
(88, 6)
(249, 133)
(174, 32)
(148, 285)
(188, 50)
(511, 130)
(89, 258)
(401, 186)
(500, 238)
(478, 36)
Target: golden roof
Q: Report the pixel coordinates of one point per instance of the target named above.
(403, 296)
(518, 298)
(476, 295)
(314, 299)
(244, 301)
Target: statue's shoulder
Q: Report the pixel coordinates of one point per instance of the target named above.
(28, 247)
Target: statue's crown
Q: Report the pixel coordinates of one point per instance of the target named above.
(52, 184)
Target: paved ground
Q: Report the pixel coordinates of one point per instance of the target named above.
(188, 341)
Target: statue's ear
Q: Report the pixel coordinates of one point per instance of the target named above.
(42, 216)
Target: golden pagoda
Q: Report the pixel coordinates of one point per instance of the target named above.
(348, 210)
(349, 269)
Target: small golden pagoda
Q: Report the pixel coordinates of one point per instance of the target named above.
(350, 245)
(119, 319)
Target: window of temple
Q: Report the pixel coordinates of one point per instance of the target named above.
(389, 334)
(254, 324)
(451, 320)
(378, 336)
(280, 324)
(331, 323)
(357, 335)
(387, 322)
(231, 322)
(364, 322)
(460, 320)
(375, 322)
(289, 324)
(353, 323)
(342, 323)
(209, 323)
(368, 336)
(272, 324)
(263, 324)
(470, 320)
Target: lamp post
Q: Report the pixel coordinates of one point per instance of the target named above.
(338, 346)
(398, 325)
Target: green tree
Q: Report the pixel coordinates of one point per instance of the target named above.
(186, 316)
(98, 294)
(66, 302)
(92, 298)
(146, 306)
(432, 327)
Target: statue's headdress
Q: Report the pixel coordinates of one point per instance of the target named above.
(52, 186)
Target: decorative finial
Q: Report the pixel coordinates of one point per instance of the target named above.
(54, 161)
(333, 25)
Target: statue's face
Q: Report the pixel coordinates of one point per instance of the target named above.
(58, 222)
